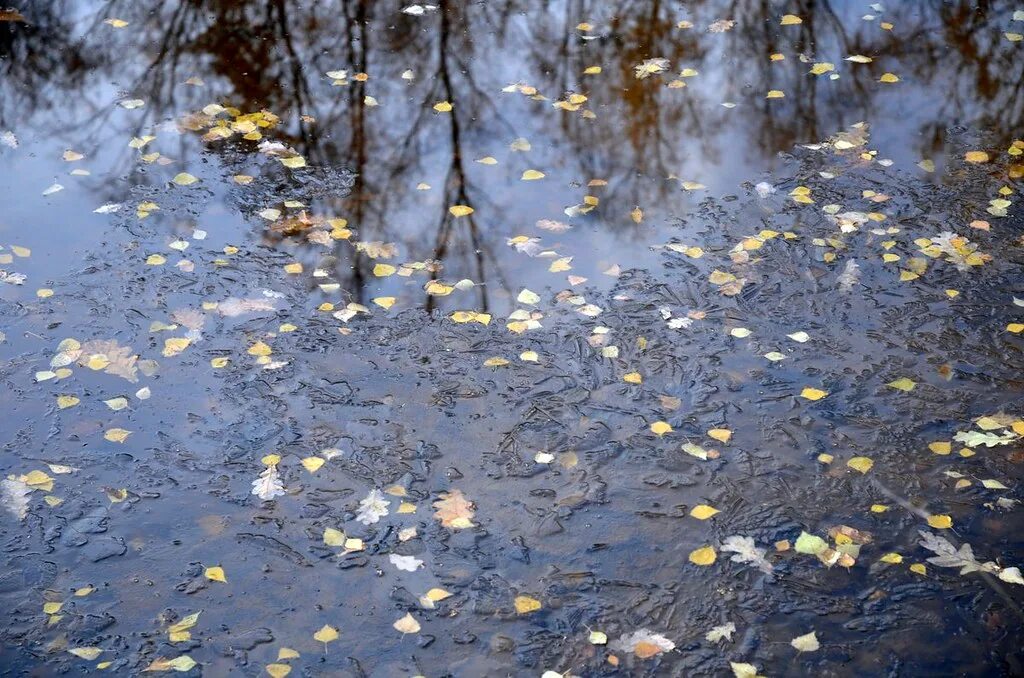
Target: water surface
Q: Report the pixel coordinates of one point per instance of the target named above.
(549, 282)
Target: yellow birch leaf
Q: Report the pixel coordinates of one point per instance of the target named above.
(326, 634)
(175, 345)
(703, 556)
(526, 604)
(532, 175)
(902, 384)
(660, 428)
(215, 573)
(790, 20)
(443, 106)
(66, 401)
(184, 179)
(940, 522)
(813, 393)
(278, 670)
(313, 464)
(460, 210)
(436, 595)
(862, 464)
(407, 624)
(259, 349)
(86, 653)
(703, 511)
(293, 162)
(116, 435)
(333, 537)
(722, 435)
(633, 378)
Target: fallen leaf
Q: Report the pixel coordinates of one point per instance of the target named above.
(326, 634)
(526, 604)
(806, 643)
(703, 556)
(453, 510)
(215, 573)
(407, 624)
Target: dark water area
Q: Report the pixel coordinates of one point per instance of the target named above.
(511, 338)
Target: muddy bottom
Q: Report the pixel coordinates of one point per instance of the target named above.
(511, 338)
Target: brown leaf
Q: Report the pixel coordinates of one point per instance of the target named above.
(454, 510)
(121, 358)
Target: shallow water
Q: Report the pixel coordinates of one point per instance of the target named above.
(802, 311)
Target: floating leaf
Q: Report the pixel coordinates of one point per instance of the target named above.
(526, 604)
(703, 556)
(406, 563)
(326, 634)
(407, 624)
(660, 428)
(703, 511)
(86, 653)
(215, 573)
(810, 544)
(862, 464)
(806, 643)
(268, 485)
(902, 384)
(723, 632)
(372, 508)
(454, 510)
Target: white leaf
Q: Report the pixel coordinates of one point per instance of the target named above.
(1012, 575)
(806, 643)
(109, 208)
(268, 485)
(976, 438)
(55, 188)
(8, 139)
(947, 555)
(407, 624)
(12, 278)
(406, 563)
(372, 508)
(14, 496)
(629, 641)
(745, 551)
(720, 632)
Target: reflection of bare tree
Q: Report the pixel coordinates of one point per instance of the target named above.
(273, 55)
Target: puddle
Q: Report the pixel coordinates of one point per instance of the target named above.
(517, 338)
